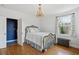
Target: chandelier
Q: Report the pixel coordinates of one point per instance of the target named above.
(39, 11)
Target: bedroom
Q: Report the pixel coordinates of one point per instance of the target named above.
(25, 14)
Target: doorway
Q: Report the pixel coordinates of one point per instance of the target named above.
(12, 25)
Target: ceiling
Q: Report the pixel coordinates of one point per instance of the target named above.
(48, 8)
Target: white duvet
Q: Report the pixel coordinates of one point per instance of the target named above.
(36, 37)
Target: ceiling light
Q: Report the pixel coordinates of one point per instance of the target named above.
(39, 11)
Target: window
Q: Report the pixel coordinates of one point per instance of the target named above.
(64, 24)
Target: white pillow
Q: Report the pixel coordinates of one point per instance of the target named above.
(33, 30)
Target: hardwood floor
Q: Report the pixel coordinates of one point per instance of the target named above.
(28, 50)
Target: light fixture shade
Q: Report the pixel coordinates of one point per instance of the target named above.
(39, 11)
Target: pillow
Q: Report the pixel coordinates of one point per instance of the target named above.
(33, 30)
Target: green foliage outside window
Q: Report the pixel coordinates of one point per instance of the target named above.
(62, 29)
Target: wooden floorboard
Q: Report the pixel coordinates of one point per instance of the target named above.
(28, 50)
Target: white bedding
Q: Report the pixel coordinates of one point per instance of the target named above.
(36, 37)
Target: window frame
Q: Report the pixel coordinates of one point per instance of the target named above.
(72, 25)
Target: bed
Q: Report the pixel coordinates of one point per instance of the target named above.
(37, 39)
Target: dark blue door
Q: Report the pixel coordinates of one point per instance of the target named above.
(11, 31)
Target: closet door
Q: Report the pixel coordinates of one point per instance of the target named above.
(11, 31)
(2, 32)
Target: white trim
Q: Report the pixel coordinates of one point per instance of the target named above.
(65, 35)
(74, 45)
(11, 41)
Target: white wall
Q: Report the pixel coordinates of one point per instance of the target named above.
(23, 21)
(47, 23)
(2, 32)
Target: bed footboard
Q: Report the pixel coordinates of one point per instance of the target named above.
(49, 41)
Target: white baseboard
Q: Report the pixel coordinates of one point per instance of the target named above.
(74, 45)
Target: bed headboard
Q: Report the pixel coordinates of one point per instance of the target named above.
(32, 26)
(27, 27)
